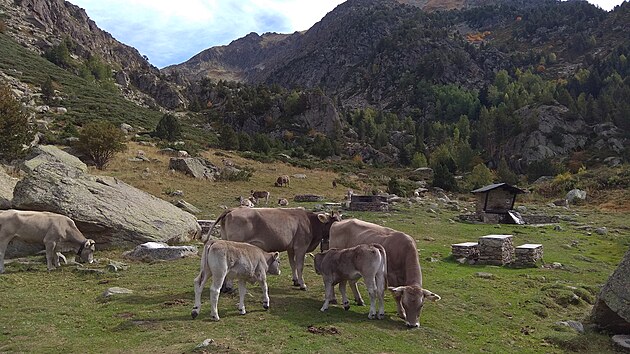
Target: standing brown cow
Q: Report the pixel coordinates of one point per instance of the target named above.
(403, 269)
(294, 230)
(260, 195)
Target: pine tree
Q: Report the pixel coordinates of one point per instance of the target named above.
(168, 128)
(14, 128)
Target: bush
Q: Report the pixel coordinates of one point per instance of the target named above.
(394, 187)
(14, 128)
(101, 140)
(443, 178)
(168, 128)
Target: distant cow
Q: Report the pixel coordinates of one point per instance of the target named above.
(245, 202)
(260, 195)
(57, 232)
(282, 181)
(294, 230)
(337, 266)
(233, 260)
(283, 202)
(403, 269)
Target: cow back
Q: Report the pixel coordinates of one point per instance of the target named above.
(272, 229)
(403, 267)
(32, 226)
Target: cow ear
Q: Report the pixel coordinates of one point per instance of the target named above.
(323, 217)
(91, 244)
(430, 295)
(397, 290)
(276, 255)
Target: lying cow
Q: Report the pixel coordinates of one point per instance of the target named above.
(260, 195)
(283, 202)
(57, 232)
(245, 202)
(282, 181)
(228, 260)
(337, 266)
(294, 230)
(403, 269)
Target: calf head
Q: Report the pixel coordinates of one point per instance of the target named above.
(317, 260)
(409, 300)
(273, 263)
(86, 252)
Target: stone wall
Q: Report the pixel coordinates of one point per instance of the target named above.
(496, 250)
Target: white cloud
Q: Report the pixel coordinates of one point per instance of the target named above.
(170, 32)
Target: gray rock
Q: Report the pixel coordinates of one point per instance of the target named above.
(184, 205)
(612, 308)
(7, 183)
(104, 208)
(622, 340)
(194, 166)
(206, 343)
(521, 209)
(116, 290)
(577, 326)
(601, 231)
(484, 275)
(46, 153)
(154, 251)
(575, 195)
(115, 267)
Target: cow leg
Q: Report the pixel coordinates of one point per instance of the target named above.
(4, 242)
(291, 255)
(380, 293)
(215, 289)
(344, 295)
(370, 284)
(357, 296)
(200, 281)
(227, 287)
(299, 265)
(329, 292)
(265, 293)
(51, 255)
(242, 290)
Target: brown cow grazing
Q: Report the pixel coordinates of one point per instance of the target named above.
(337, 266)
(283, 202)
(294, 230)
(233, 260)
(403, 269)
(260, 195)
(282, 181)
(57, 232)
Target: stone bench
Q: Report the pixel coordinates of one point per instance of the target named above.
(496, 250)
(469, 250)
(528, 255)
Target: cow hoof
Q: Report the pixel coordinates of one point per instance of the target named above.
(214, 318)
(360, 303)
(303, 287)
(346, 306)
(242, 311)
(194, 314)
(324, 309)
(380, 316)
(296, 283)
(371, 316)
(266, 306)
(333, 301)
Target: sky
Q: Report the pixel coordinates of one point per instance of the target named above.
(171, 32)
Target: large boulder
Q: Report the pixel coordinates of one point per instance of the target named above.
(104, 208)
(7, 183)
(194, 166)
(45, 153)
(575, 195)
(612, 309)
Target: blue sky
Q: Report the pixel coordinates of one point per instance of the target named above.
(171, 32)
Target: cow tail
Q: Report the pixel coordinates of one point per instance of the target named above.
(206, 237)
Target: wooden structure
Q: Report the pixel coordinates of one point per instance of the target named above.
(495, 203)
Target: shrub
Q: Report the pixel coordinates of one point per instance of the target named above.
(443, 178)
(168, 128)
(14, 128)
(479, 177)
(419, 160)
(101, 140)
(394, 187)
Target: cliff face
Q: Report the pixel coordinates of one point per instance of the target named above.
(41, 24)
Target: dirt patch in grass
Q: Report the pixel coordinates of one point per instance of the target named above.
(332, 330)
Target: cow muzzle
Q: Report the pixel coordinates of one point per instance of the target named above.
(413, 325)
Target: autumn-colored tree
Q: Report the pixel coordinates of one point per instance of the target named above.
(101, 140)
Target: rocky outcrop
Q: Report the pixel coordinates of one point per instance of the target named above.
(104, 208)
(194, 166)
(47, 153)
(41, 24)
(7, 183)
(612, 309)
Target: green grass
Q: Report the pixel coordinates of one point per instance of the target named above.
(514, 312)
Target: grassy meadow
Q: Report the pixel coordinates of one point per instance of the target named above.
(515, 310)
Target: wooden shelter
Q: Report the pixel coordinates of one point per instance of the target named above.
(495, 203)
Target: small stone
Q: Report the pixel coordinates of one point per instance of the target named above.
(577, 326)
(622, 340)
(556, 265)
(206, 343)
(484, 275)
(116, 290)
(601, 230)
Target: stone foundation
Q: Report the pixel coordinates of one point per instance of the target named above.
(496, 250)
(528, 255)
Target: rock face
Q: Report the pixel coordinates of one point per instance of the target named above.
(46, 153)
(7, 183)
(104, 208)
(612, 309)
(194, 166)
